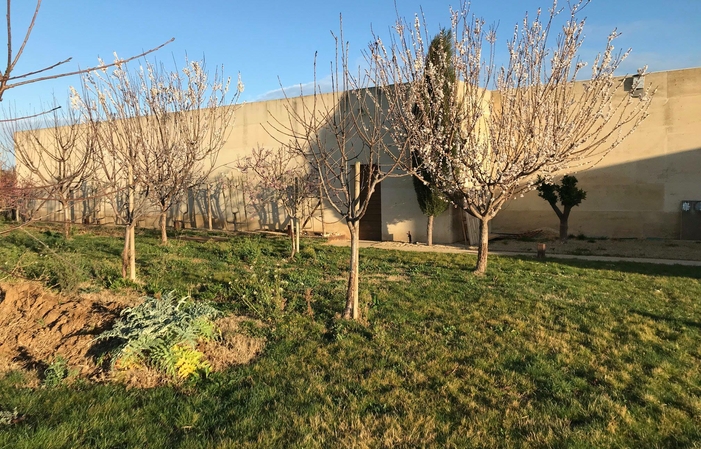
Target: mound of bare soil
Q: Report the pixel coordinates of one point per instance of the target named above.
(38, 325)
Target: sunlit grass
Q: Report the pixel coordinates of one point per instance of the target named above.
(534, 354)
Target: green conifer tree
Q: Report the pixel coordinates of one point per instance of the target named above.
(440, 54)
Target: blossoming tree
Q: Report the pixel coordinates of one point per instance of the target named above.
(156, 134)
(183, 128)
(536, 120)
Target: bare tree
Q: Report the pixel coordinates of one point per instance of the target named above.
(9, 80)
(291, 182)
(8, 191)
(116, 117)
(537, 121)
(341, 134)
(8, 182)
(183, 129)
(55, 153)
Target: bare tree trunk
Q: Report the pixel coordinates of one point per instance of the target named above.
(563, 229)
(132, 253)
(429, 231)
(564, 219)
(128, 257)
(292, 238)
(209, 207)
(125, 252)
(66, 222)
(483, 248)
(298, 230)
(352, 309)
(323, 223)
(71, 205)
(164, 234)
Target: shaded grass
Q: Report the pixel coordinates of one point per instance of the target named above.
(534, 354)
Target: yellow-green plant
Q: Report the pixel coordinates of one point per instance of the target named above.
(188, 362)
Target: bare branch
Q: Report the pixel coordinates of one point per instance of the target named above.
(9, 38)
(79, 72)
(26, 36)
(25, 117)
(41, 70)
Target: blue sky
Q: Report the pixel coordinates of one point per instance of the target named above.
(267, 40)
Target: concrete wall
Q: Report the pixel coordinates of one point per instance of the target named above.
(637, 190)
(401, 215)
(261, 125)
(254, 125)
(255, 122)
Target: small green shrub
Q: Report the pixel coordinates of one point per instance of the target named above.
(55, 272)
(56, 373)
(308, 252)
(55, 240)
(262, 292)
(8, 417)
(211, 291)
(248, 249)
(106, 272)
(163, 333)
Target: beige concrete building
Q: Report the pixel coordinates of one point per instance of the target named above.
(637, 191)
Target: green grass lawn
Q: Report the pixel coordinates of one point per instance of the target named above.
(534, 354)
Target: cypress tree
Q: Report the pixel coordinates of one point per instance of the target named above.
(440, 54)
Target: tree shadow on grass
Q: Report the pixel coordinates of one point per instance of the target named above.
(668, 319)
(649, 269)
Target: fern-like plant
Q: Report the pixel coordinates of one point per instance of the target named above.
(164, 333)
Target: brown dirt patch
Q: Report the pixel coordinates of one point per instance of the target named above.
(37, 325)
